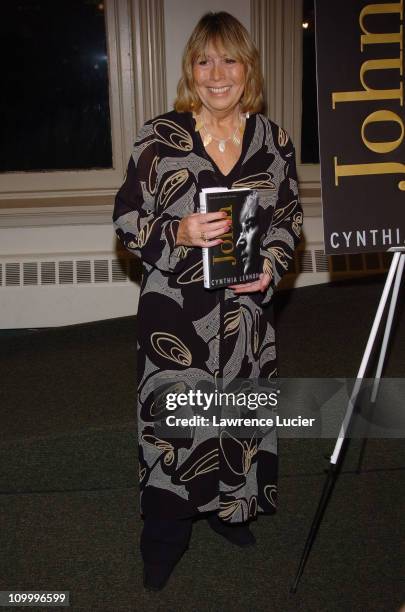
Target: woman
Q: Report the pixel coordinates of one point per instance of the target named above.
(215, 137)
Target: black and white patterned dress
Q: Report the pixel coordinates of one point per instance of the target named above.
(193, 334)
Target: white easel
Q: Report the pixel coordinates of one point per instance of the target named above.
(394, 277)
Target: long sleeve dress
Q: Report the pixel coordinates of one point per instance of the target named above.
(192, 334)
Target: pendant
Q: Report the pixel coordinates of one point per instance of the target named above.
(236, 140)
(221, 146)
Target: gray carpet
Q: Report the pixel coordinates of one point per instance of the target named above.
(68, 477)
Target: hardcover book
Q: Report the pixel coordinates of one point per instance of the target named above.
(237, 260)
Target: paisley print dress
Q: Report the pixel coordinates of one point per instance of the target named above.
(191, 334)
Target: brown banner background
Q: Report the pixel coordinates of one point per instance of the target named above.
(362, 136)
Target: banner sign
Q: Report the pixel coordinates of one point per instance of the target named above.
(360, 68)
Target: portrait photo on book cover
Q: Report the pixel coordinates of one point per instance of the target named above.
(248, 239)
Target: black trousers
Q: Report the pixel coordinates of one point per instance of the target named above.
(165, 540)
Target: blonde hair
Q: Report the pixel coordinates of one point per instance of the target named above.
(221, 28)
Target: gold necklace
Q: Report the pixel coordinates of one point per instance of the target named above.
(235, 137)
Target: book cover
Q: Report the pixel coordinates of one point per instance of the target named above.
(237, 260)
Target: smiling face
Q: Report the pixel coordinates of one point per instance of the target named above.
(219, 79)
(248, 241)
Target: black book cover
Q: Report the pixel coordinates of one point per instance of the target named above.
(237, 260)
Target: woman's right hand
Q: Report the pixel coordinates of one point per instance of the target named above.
(202, 229)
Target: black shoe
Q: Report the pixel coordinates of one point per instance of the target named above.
(237, 534)
(156, 576)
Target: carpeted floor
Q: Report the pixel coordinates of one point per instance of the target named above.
(68, 476)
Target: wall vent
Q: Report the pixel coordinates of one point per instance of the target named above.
(30, 273)
(101, 274)
(12, 274)
(321, 261)
(48, 272)
(119, 268)
(304, 261)
(83, 271)
(65, 272)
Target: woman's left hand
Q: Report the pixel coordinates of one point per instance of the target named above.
(259, 285)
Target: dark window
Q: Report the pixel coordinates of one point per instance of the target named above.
(55, 94)
(309, 128)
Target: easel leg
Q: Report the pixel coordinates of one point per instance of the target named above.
(381, 359)
(391, 312)
(366, 357)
